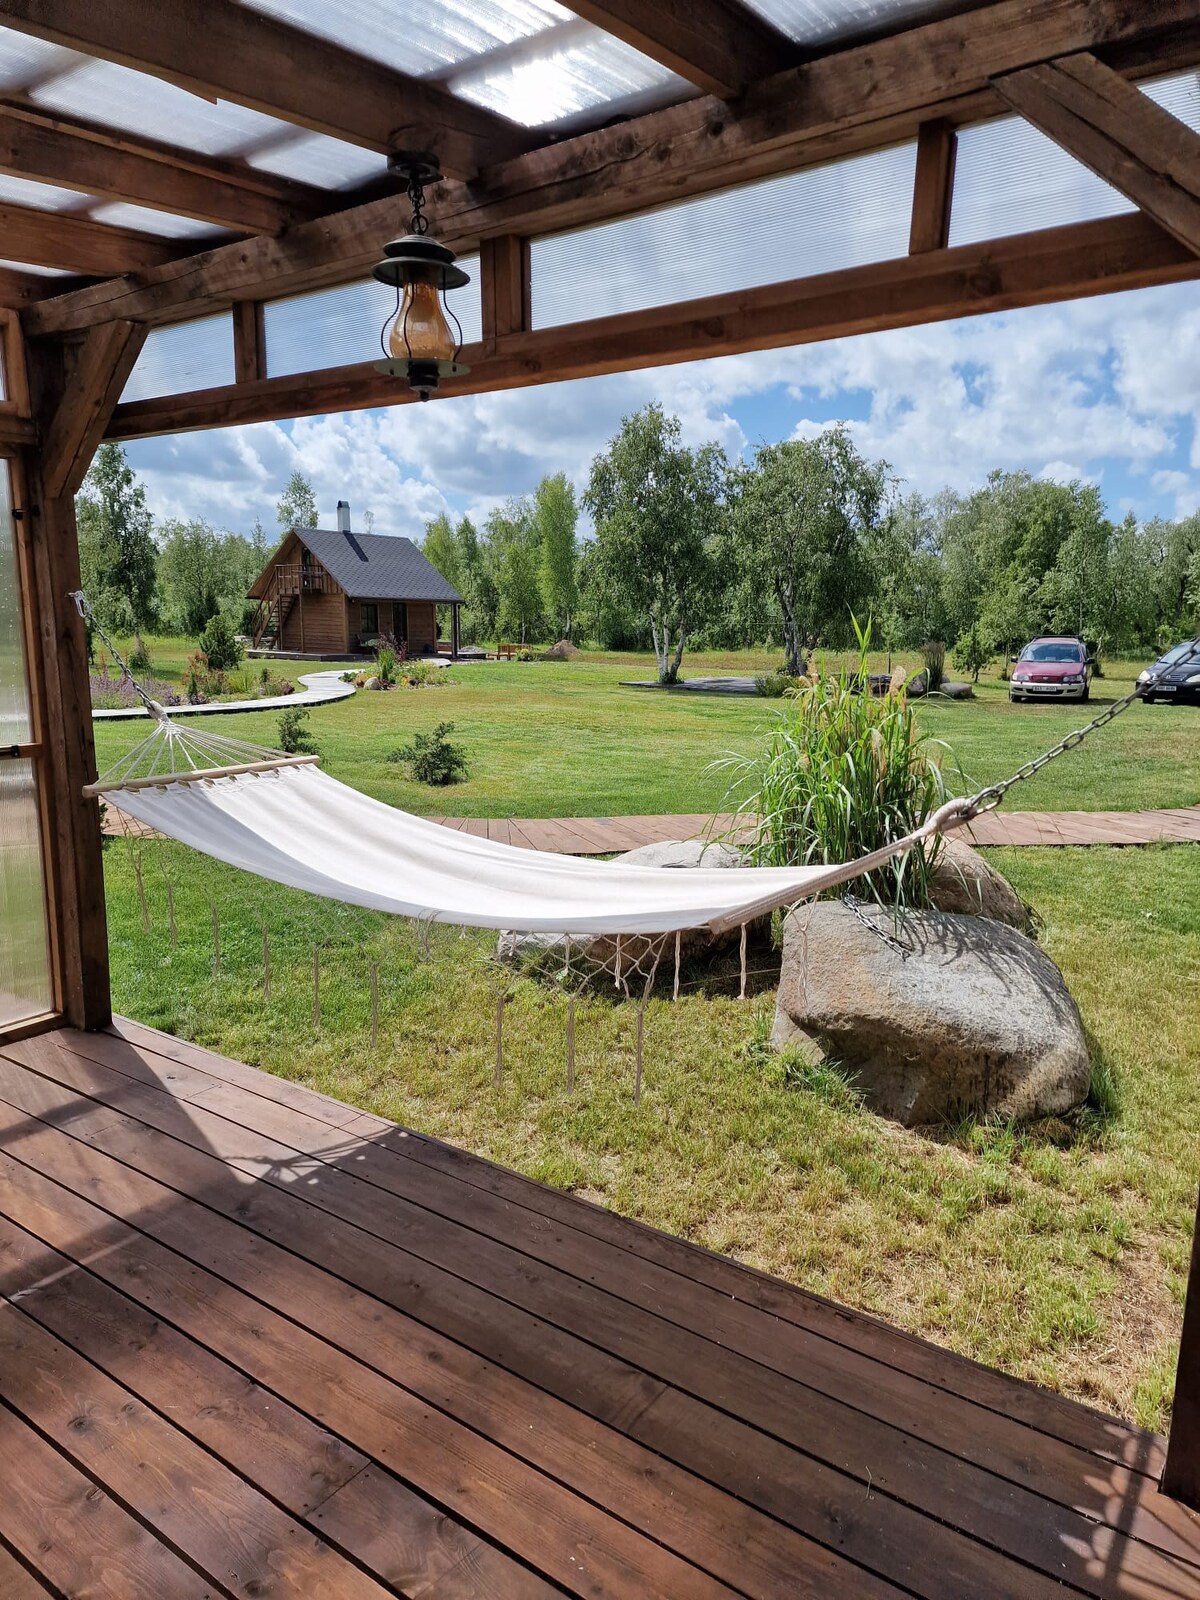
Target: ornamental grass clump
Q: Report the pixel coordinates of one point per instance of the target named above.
(842, 774)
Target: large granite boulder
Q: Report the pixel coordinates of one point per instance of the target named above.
(972, 1017)
(538, 948)
(962, 881)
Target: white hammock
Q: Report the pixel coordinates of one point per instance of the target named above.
(283, 819)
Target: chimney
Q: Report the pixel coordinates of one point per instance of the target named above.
(343, 514)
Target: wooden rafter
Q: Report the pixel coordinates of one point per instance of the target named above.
(858, 99)
(719, 45)
(1121, 134)
(1029, 269)
(52, 150)
(97, 371)
(20, 288)
(76, 244)
(228, 51)
(933, 187)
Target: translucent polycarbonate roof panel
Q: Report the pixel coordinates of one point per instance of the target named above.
(118, 97)
(420, 37)
(43, 196)
(39, 272)
(841, 215)
(1010, 178)
(341, 326)
(1179, 94)
(826, 22)
(316, 158)
(25, 61)
(184, 357)
(122, 214)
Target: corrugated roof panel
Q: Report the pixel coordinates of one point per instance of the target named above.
(844, 214)
(144, 219)
(36, 272)
(182, 358)
(43, 196)
(420, 37)
(826, 22)
(135, 102)
(25, 61)
(317, 159)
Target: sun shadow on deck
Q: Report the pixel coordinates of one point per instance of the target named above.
(384, 1358)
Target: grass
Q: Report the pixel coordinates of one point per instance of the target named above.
(1057, 1252)
(564, 739)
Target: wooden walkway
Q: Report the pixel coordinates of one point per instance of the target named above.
(254, 1342)
(584, 836)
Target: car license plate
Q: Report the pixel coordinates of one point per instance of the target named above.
(1044, 688)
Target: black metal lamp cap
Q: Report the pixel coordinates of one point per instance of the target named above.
(416, 258)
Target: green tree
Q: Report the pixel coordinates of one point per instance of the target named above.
(556, 516)
(117, 554)
(441, 549)
(297, 507)
(1076, 591)
(804, 519)
(188, 575)
(475, 584)
(513, 562)
(659, 509)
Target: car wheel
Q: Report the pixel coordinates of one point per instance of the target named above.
(1087, 692)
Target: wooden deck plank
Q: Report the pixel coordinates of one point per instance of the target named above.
(60, 1522)
(1020, 1520)
(16, 1581)
(767, 1557)
(1108, 1437)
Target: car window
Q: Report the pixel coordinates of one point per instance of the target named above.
(1054, 651)
(1179, 653)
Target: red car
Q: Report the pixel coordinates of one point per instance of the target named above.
(1052, 669)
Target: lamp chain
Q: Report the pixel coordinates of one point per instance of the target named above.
(416, 199)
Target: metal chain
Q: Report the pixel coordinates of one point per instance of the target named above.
(989, 798)
(856, 909)
(89, 616)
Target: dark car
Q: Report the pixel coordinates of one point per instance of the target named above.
(1052, 669)
(1174, 676)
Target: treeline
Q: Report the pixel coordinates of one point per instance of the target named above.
(172, 575)
(693, 550)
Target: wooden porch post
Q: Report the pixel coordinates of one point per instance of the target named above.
(454, 635)
(74, 386)
(1181, 1475)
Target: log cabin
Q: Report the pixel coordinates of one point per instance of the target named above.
(334, 592)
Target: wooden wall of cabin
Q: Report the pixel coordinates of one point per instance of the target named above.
(422, 628)
(317, 624)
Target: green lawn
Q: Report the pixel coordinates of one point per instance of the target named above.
(1057, 1252)
(549, 739)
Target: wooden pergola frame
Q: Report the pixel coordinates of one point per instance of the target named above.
(1068, 66)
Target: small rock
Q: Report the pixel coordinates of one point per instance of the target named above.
(917, 686)
(564, 650)
(973, 1018)
(373, 683)
(962, 881)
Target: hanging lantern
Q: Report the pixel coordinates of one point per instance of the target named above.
(418, 341)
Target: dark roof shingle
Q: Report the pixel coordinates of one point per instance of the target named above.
(377, 566)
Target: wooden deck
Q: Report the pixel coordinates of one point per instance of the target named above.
(584, 836)
(257, 1343)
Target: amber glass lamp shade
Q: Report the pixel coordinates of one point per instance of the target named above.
(420, 331)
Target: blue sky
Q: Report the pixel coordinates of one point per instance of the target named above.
(1106, 389)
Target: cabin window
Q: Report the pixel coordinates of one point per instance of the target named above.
(25, 988)
(370, 617)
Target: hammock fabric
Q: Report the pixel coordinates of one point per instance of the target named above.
(295, 825)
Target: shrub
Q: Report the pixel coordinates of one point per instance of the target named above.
(294, 737)
(118, 694)
(418, 674)
(774, 685)
(971, 653)
(431, 758)
(139, 658)
(933, 653)
(200, 682)
(221, 646)
(385, 665)
(843, 773)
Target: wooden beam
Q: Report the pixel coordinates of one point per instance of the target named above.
(1028, 269)
(1181, 1474)
(50, 150)
(229, 51)
(249, 341)
(15, 431)
(1118, 132)
(76, 244)
(857, 99)
(504, 284)
(933, 187)
(719, 46)
(12, 358)
(21, 288)
(97, 371)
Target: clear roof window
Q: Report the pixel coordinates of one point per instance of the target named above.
(844, 214)
(341, 326)
(420, 37)
(145, 220)
(182, 358)
(119, 97)
(43, 196)
(563, 75)
(315, 158)
(1010, 178)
